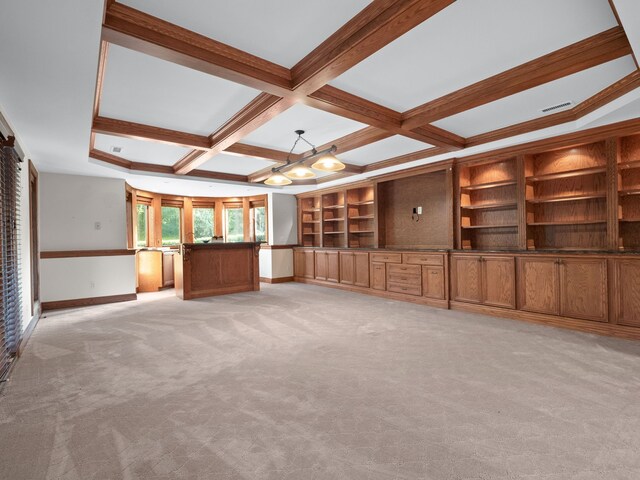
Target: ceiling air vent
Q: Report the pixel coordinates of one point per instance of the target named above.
(557, 107)
(116, 149)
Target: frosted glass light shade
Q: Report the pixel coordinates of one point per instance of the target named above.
(328, 163)
(299, 173)
(277, 179)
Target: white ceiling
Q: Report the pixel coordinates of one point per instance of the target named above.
(48, 76)
(527, 105)
(320, 127)
(144, 89)
(141, 150)
(383, 150)
(469, 41)
(238, 164)
(281, 31)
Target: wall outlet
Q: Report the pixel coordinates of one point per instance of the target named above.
(419, 210)
(92, 284)
(97, 225)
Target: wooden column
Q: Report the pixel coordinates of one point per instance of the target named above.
(218, 222)
(246, 220)
(187, 221)
(613, 157)
(155, 222)
(521, 198)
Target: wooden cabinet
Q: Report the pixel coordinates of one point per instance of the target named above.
(570, 287)
(499, 281)
(354, 268)
(304, 263)
(155, 270)
(433, 284)
(333, 267)
(327, 264)
(583, 288)
(626, 291)
(489, 280)
(378, 276)
(321, 265)
(538, 289)
(466, 278)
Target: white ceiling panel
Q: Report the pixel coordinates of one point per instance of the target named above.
(469, 41)
(382, 150)
(141, 150)
(527, 105)
(320, 127)
(144, 89)
(238, 164)
(281, 31)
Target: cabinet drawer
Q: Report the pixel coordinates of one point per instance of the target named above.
(423, 259)
(404, 278)
(386, 257)
(403, 288)
(403, 269)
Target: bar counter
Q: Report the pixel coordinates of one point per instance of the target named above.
(208, 269)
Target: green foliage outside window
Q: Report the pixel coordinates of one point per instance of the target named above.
(234, 225)
(259, 224)
(142, 225)
(202, 224)
(170, 226)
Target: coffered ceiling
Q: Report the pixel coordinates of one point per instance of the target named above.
(207, 93)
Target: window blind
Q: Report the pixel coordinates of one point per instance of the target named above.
(10, 284)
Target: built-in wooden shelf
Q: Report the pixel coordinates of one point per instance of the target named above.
(482, 186)
(334, 233)
(365, 202)
(569, 198)
(361, 217)
(568, 174)
(311, 233)
(629, 165)
(310, 221)
(334, 219)
(568, 222)
(333, 207)
(507, 225)
(361, 231)
(630, 191)
(310, 210)
(490, 206)
(630, 220)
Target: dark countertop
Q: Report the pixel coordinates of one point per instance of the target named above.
(485, 252)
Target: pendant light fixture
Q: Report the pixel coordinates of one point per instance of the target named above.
(325, 161)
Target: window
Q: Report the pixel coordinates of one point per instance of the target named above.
(170, 226)
(258, 222)
(233, 223)
(142, 225)
(202, 224)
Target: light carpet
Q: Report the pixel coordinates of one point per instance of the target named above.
(304, 382)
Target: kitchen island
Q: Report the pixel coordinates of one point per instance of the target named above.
(208, 269)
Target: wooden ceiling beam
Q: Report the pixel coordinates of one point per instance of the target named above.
(616, 90)
(139, 31)
(164, 169)
(409, 157)
(122, 128)
(339, 102)
(601, 48)
(377, 25)
(258, 112)
(354, 140)
(277, 156)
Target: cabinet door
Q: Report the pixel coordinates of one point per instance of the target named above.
(309, 264)
(433, 282)
(538, 285)
(378, 276)
(361, 266)
(321, 265)
(583, 288)
(298, 263)
(499, 281)
(626, 292)
(347, 268)
(466, 278)
(333, 267)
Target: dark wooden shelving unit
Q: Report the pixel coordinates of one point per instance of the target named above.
(628, 183)
(310, 221)
(333, 219)
(361, 217)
